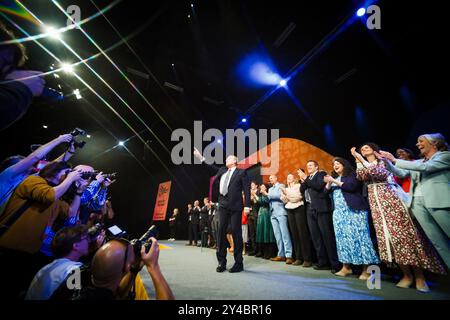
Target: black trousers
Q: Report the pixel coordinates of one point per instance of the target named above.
(251, 222)
(298, 224)
(322, 234)
(234, 218)
(193, 232)
(173, 231)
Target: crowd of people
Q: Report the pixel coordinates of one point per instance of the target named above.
(387, 209)
(53, 222)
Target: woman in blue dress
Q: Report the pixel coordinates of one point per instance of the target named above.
(350, 219)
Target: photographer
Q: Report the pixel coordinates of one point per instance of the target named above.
(94, 197)
(69, 217)
(115, 268)
(16, 92)
(33, 204)
(68, 246)
(15, 169)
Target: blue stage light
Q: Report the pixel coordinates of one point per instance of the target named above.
(361, 12)
(219, 141)
(244, 120)
(283, 83)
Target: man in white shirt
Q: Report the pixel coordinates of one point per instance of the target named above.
(69, 245)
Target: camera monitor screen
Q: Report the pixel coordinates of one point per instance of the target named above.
(115, 230)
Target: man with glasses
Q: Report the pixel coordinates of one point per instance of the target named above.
(68, 246)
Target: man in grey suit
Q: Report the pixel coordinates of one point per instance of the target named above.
(279, 219)
(429, 195)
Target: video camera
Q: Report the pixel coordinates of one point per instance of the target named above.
(77, 132)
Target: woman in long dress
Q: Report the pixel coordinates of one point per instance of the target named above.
(350, 220)
(264, 232)
(399, 238)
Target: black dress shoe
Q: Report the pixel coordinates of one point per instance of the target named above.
(252, 253)
(237, 268)
(221, 268)
(318, 267)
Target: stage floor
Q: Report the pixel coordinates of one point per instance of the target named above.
(191, 274)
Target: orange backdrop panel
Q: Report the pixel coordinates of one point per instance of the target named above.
(162, 200)
(293, 155)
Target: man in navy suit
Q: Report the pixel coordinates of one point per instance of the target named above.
(228, 186)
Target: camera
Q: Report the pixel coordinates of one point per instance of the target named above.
(89, 175)
(144, 241)
(94, 231)
(110, 176)
(77, 132)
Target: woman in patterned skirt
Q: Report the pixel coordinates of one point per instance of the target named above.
(350, 219)
(264, 232)
(399, 238)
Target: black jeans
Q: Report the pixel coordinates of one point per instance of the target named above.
(173, 231)
(225, 218)
(322, 234)
(298, 224)
(193, 232)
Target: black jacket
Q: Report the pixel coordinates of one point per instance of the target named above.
(195, 215)
(239, 183)
(15, 98)
(320, 200)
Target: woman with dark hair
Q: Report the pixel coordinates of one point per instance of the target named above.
(265, 237)
(399, 239)
(408, 155)
(350, 219)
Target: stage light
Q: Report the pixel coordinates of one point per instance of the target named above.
(77, 94)
(219, 141)
(88, 136)
(52, 32)
(173, 64)
(189, 16)
(67, 67)
(192, 5)
(283, 83)
(121, 143)
(44, 126)
(244, 120)
(361, 12)
(56, 75)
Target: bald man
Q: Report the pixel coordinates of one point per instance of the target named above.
(228, 186)
(114, 269)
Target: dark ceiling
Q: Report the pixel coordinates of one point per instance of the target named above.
(383, 85)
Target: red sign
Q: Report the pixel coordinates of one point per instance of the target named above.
(162, 200)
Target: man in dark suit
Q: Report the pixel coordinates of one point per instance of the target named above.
(193, 220)
(319, 215)
(229, 183)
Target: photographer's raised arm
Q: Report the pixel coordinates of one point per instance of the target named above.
(150, 259)
(61, 189)
(38, 154)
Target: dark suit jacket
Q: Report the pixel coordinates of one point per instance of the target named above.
(195, 214)
(352, 191)
(320, 200)
(239, 182)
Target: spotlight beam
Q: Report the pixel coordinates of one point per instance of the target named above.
(104, 82)
(62, 30)
(93, 91)
(114, 64)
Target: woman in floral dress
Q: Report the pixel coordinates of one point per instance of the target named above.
(350, 220)
(399, 238)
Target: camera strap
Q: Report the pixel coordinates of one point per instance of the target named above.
(14, 217)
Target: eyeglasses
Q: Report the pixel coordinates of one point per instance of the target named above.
(125, 258)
